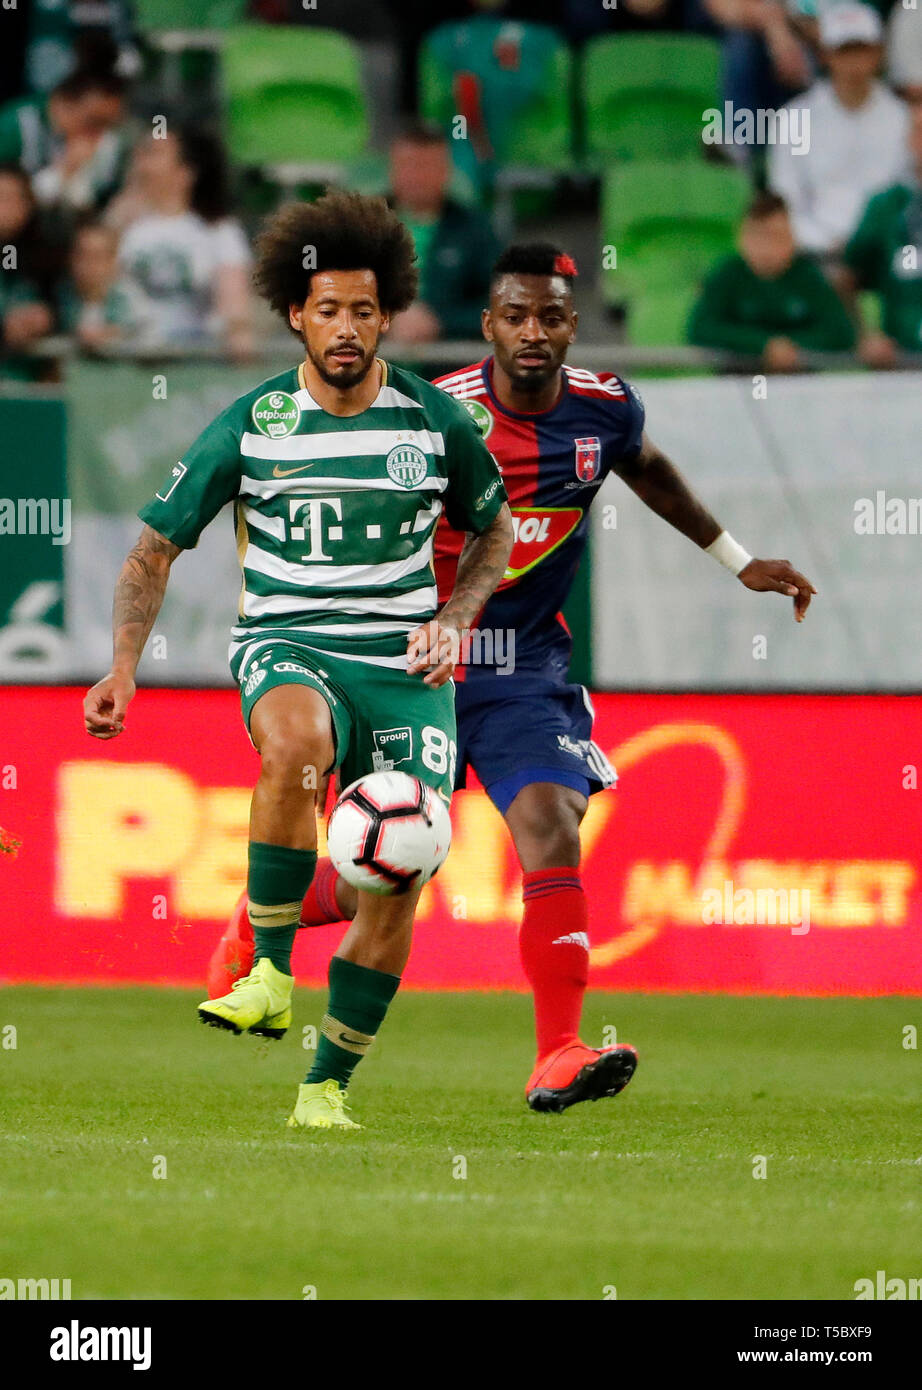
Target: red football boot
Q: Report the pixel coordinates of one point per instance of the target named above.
(575, 1072)
(233, 957)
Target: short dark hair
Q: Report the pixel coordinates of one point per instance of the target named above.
(345, 231)
(535, 258)
(203, 152)
(765, 204)
(85, 80)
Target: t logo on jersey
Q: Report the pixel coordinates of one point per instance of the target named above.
(588, 458)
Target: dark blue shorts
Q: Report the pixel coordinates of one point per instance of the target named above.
(518, 729)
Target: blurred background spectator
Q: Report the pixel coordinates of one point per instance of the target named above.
(71, 142)
(769, 300)
(181, 252)
(763, 60)
(25, 315)
(95, 302)
(67, 36)
(857, 140)
(455, 244)
(581, 119)
(86, 148)
(885, 255)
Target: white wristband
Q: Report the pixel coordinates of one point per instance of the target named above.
(727, 552)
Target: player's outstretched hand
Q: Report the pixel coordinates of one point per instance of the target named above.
(434, 647)
(104, 706)
(779, 577)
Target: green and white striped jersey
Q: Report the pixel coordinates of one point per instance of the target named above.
(334, 514)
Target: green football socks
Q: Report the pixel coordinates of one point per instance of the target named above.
(359, 1000)
(277, 880)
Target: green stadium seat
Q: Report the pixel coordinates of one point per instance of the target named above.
(668, 222)
(526, 102)
(293, 96)
(175, 16)
(643, 95)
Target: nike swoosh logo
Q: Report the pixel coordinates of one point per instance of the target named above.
(353, 1042)
(287, 472)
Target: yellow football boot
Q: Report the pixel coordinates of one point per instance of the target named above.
(259, 1003)
(321, 1105)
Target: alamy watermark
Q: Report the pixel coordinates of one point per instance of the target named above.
(76, 1343)
(756, 907)
(888, 516)
(28, 1289)
(883, 1287)
(738, 125)
(36, 516)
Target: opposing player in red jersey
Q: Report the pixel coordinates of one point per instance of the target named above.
(556, 432)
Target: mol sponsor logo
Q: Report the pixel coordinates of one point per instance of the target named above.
(538, 532)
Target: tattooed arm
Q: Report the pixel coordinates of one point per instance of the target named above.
(139, 593)
(659, 484)
(434, 647)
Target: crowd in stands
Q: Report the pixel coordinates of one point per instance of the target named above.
(118, 227)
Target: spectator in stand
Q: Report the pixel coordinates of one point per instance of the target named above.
(857, 137)
(804, 15)
(417, 18)
(24, 315)
(455, 245)
(764, 62)
(885, 255)
(904, 53)
(67, 36)
(185, 256)
(72, 144)
(770, 301)
(95, 303)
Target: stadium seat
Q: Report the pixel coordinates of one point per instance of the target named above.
(293, 97)
(176, 16)
(643, 95)
(668, 223)
(518, 76)
(185, 41)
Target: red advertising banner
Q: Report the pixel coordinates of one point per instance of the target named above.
(752, 844)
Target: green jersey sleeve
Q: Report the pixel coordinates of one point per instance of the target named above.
(197, 487)
(475, 490)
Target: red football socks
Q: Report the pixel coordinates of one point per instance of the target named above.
(554, 949)
(320, 905)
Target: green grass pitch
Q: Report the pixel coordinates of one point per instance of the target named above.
(652, 1193)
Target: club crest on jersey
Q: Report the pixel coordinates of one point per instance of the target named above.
(407, 465)
(480, 416)
(588, 458)
(276, 414)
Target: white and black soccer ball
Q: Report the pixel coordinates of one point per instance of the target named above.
(388, 833)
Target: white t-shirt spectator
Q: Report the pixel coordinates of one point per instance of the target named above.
(173, 262)
(852, 155)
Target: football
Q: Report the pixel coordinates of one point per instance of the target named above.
(388, 832)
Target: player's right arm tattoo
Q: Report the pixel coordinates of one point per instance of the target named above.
(139, 593)
(659, 484)
(480, 568)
